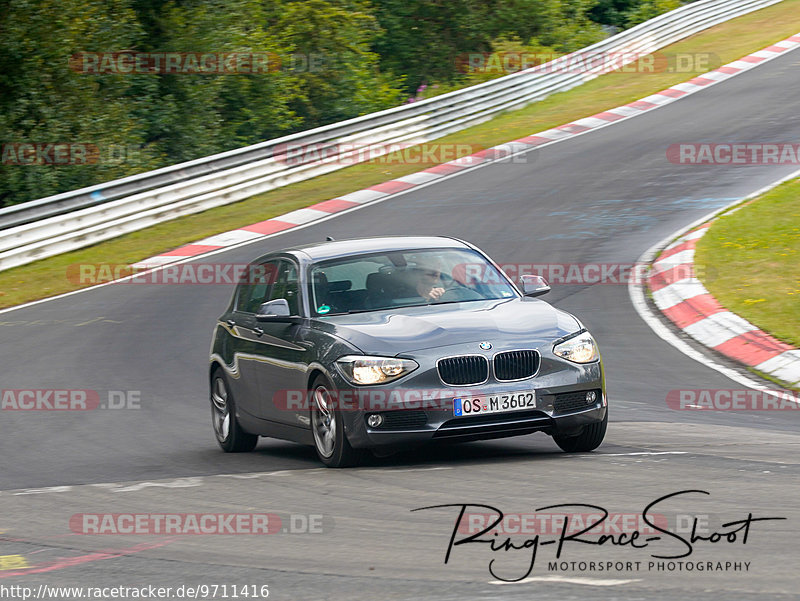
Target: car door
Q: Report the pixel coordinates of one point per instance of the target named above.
(248, 349)
(282, 372)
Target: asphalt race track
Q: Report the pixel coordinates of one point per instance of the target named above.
(603, 197)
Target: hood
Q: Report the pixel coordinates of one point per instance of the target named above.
(504, 323)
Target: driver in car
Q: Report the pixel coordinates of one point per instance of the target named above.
(429, 281)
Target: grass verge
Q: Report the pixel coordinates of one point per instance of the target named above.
(751, 258)
(725, 42)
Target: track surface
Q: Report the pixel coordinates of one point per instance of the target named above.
(603, 197)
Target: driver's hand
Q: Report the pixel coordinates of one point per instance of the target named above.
(436, 293)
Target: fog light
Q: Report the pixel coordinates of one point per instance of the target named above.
(591, 397)
(374, 420)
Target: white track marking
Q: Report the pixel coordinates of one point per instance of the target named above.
(42, 491)
(194, 481)
(636, 293)
(637, 453)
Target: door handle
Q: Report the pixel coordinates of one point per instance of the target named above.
(258, 331)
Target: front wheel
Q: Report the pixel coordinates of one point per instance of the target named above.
(330, 440)
(227, 430)
(588, 440)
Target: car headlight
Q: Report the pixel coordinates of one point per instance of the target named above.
(581, 348)
(374, 370)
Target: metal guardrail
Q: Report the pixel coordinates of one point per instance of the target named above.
(57, 224)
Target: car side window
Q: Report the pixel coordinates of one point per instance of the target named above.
(256, 286)
(286, 286)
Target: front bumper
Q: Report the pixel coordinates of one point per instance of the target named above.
(560, 387)
(444, 427)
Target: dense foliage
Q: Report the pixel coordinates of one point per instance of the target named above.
(328, 60)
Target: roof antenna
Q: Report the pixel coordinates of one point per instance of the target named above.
(329, 239)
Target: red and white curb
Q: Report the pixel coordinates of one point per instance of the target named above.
(499, 153)
(683, 299)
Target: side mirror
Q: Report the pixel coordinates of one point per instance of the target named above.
(273, 309)
(534, 285)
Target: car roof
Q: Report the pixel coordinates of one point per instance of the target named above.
(357, 246)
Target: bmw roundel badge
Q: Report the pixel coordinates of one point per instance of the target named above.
(485, 345)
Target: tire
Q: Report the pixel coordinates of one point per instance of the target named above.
(227, 431)
(586, 441)
(327, 427)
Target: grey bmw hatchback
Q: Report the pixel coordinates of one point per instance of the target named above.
(380, 344)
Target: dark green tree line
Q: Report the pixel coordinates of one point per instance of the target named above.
(330, 60)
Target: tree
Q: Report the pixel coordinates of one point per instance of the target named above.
(44, 101)
(647, 9)
(427, 40)
(200, 114)
(331, 59)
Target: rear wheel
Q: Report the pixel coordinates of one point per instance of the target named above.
(330, 440)
(227, 430)
(588, 440)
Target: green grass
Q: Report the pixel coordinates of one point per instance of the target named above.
(773, 379)
(751, 261)
(726, 42)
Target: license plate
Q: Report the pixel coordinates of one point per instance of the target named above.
(494, 403)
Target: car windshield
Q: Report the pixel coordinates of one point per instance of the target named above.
(391, 280)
